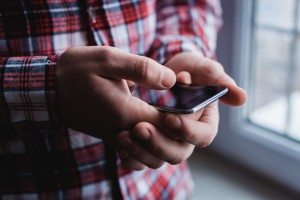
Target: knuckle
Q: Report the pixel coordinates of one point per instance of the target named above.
(210, 62)
(207, 141)
(105, 54)
(142, 67)
(212, 66)
(155, 165)
(137, 167)
(182, 155)
(207, 69)
(219, 66)
(176, 160)
(141, 126)
(199, 61)
(133, 165)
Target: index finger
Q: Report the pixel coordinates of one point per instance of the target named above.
(207, 72)
(200, 132)
(140, 69)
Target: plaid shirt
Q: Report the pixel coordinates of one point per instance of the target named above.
(40, 159)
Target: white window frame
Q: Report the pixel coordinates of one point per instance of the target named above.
(259, 149)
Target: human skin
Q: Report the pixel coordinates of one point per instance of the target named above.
(147, 145)
(94, 96)
(93, 89)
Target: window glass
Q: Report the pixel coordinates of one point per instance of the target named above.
(277, 13)
(275, 72)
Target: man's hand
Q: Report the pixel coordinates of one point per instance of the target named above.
(93, 95)
(204, 71)
(149, 145)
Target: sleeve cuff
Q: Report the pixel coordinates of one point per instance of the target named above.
(29, 88)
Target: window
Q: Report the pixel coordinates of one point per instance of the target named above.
(259, 47)
(275, 77)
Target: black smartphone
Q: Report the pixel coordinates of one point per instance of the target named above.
(181, 98)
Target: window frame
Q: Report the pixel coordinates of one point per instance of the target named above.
(259, 149)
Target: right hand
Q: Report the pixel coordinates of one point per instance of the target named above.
(94, 96)
(173, 143)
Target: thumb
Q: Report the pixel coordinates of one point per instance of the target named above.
(139, 111)
(139, 69)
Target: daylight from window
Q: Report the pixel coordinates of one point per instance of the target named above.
(275, 71)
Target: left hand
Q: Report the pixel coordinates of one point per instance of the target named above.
(174, 140)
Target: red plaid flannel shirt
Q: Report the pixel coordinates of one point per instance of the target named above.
(39, 159)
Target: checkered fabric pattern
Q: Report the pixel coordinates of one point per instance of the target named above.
(39, 159)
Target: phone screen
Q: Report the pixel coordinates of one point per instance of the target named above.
(181, 98)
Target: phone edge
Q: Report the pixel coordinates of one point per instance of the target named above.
(210, 100)
(195, 109)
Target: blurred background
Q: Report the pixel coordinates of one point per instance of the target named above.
(256, 154)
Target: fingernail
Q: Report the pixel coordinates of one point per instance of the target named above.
(173, 122)
(125, 141)
(144, 134)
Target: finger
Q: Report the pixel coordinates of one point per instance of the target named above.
(138, 152)
(130, 83)
(128, 161)
(138, 110)
(205, 71)
(142, 111)
(140, 69)
(123, 101)
(169, 150)
(212, 73)
(200, 133)
(184, 77)
(170, 127)
(211, 115)
(236, 96)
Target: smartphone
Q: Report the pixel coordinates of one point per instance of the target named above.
(181, 98)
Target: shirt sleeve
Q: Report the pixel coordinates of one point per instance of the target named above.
(186, 25)
(27, 89)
